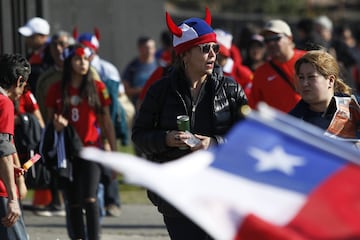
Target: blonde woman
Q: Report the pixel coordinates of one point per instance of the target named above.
(326, 101)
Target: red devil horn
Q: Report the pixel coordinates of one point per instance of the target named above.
(207, 16)
(75, 33)
(97, 33)
(172, 26)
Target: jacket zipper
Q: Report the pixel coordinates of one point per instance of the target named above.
(193, 108)
(194, 105)
(183, 102)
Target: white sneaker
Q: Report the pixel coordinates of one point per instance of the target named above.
(58, 212)
(43, 213)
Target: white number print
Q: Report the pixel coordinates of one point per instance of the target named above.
(75, 114)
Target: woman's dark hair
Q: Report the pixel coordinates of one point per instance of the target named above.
(12, 66)
(87, 87)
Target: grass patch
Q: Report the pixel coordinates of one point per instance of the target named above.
(126, 149)
(131, 194)
(135, 195)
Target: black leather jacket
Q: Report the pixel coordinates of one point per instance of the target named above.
(216, 111)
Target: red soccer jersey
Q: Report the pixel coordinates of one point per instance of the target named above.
(7, 122)
(269, 87)
(27, 103)
(6, 115)
(81, 115)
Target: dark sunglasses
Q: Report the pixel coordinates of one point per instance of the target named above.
(274, 38)
(205, 48)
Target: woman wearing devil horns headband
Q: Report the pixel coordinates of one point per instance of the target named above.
(79, 104)
(194, 87)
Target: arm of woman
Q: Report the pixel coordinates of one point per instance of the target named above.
(7, 175)
(204, 143)
(59, 121)
(146, 132)
(39, 117)
(19, 179)
(237, 99)
(107, 128)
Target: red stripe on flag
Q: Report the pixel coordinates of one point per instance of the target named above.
(332, 211)
(255, 228)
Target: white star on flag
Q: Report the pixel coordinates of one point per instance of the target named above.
(277, 159)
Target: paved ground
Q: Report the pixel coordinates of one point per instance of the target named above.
(136, 222)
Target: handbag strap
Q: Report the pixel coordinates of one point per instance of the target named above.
(283, 75)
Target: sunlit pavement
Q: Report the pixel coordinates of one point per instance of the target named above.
(136, 222)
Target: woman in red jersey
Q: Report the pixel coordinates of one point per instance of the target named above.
(83, 103)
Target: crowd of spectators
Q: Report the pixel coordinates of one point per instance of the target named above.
(72, 86)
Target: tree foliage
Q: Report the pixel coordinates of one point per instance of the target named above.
(245, 6)
(283, 8)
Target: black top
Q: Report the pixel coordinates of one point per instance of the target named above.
(319, 119)
(213, 114)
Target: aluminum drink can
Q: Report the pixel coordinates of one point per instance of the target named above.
(183, 122)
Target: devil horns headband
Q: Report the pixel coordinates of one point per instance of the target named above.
(90, 40)
(191, 32)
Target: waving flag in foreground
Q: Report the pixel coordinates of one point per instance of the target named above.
(275, 178)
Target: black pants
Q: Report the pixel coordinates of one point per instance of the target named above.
(81, 194)
(180, 228)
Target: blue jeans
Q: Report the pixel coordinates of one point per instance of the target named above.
(108, 194)
(17, 231)
(101, 201)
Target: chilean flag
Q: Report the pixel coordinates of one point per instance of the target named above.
(275, 178)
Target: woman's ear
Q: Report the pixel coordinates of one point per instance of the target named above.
(332, 80)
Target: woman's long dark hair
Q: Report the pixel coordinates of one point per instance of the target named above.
(87, 87)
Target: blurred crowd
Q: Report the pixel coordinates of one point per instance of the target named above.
(261, 61)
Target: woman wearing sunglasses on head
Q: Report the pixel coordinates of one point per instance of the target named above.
(196, 88)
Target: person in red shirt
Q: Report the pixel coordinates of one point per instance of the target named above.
(274, 81)
(82, 102)
(14, 73)
(28, 104)
(25, 107)
(240, 73)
